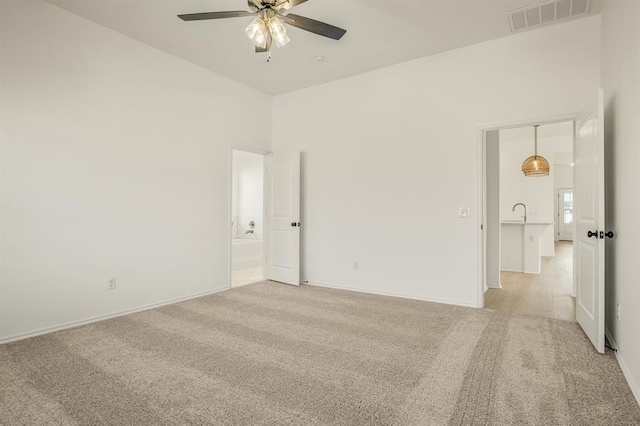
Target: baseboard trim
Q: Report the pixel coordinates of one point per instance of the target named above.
(635, 389)
(384, 293)
(512, 270)
(74, 324)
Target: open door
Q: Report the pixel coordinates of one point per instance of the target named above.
(283, 218)
(589, 206)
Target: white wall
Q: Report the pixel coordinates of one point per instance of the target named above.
(621, 82)
(389, 156)
(515, 187)
(248, 170)
(114, 162)
(536, 192)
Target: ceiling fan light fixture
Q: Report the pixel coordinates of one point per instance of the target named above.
(278, 31)
(257, 33)
(268, 26)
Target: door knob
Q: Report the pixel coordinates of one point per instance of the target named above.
(294, 224)
(609, 234)
(592, 234)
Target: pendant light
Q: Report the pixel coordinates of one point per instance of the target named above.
(536, 165)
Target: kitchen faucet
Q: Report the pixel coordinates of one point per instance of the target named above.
(525, 210)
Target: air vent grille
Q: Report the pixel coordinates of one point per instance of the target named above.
(548, 12)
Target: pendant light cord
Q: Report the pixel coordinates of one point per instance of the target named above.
(535, 133)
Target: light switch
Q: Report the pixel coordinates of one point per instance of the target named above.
(464, 212)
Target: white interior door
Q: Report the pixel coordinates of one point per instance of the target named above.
(283, 218)
(589, 218)
(565, 214)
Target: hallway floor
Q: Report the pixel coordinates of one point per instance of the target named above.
(240, 277)
(546, 295)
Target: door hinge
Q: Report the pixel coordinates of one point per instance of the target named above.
(482, 227)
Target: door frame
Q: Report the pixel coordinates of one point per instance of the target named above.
(561, 214)
(481, 193)
(265, 154)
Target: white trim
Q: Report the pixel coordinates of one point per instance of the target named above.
(74, 324)
(480, 208)
(513, 270)
(249, 148)
(514, 124)
(574, 179)
(635, 389)
(497, 287)
(384, 293)
(481, 129)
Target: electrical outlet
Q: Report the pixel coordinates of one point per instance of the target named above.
(356, 266)
(617, 311)
(111, 283)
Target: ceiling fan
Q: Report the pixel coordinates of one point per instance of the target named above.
(268, 26)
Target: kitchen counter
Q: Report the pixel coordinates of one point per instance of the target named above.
(520, 246)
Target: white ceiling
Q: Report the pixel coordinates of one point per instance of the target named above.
(380, 33)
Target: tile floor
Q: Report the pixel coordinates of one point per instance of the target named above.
(546, 295)
(246, 276)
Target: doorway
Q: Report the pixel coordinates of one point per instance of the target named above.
(247, 218)
(264, 217)
(528, 268)
(565, 214)
(588, 257)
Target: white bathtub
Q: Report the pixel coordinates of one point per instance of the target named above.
(246, 253)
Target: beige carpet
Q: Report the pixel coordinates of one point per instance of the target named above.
(272, 354)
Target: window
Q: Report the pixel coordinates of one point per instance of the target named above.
(567, 204)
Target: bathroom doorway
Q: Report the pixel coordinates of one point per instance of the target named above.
(529, 269)
(247, 217)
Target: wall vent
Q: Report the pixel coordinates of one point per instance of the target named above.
(548, 12)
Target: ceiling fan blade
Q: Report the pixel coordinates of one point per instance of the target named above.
(314, 26)
(214, 15)
(288, 4)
